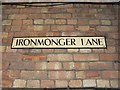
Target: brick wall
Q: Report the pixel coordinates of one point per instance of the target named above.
(60, 68)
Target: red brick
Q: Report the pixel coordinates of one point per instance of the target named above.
(6, 83)
(12, 57)
(17, 22)
(61, 83)
(92, 74)
(5, 65)
(72, 21)
(100, 65)
(110, 74)
(54, 66)
(75, 83)
(11, 74)
(22, 65)
(109, 57)
(47, 84)
(34, 57)
(61, 74)
(62, 28)
(83, 22)
(33, 74)
(86, 57)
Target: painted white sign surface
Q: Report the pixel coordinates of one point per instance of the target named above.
(59, 42)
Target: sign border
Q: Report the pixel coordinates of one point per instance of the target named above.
(62, 47)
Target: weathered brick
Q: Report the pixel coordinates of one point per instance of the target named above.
(94, 22)
(103, 28)
(61, 74)
(38, 21)
(49, 21)
(75, 83)
(85, 50)
(61, 16)
(35, 50)
(11, 74)
(93, 11)
(33, 84)
(61, 83)
(15, 28)
(109, 57)
(100, 65)
(110, 49)
(83, 28)
(80, 75)
(38, 28)
(53, 34)
(103, 83)
(65, 57)
(22, 65)
(60, 21)
(89, 83)
(47, 50)
(2, 48)
(47, 84)
(81, 66)
(54, 66)
(86, 57)
(41, 28)
(4, 34)
(17, 16)
(62, 28)
(33, 74)
(105, 22)
(19, 83)
(68, 65)
(6, 83)
(5, 65)
(8, 49)
(110, 74)
(41, 66)
(34, 57)
(6, 22)
(60, 50)
(17, 22)
(114, 83)
(72, 50)
(70, 33)
(72, 21)
(59, 57)
(38, 16)
(27, 22)
(12, 56)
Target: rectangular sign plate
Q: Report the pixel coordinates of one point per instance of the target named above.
(59, 42)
